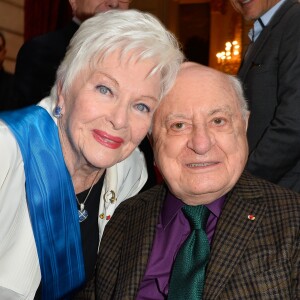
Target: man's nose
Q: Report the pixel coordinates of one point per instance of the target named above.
(201, 140)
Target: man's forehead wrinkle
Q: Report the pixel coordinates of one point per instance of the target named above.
(225, 109)
(172, 116)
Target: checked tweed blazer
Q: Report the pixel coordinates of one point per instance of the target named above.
(256, 259)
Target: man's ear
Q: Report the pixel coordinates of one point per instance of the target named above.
(247, 119)
(150, 138)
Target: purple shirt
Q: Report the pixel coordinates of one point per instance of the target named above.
(171, 231)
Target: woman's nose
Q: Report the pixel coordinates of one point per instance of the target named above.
(119, 116)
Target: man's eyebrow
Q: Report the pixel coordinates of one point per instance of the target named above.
(223, 109)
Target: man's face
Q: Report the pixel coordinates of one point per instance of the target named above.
(84, 9)
(199, 136)
(253, 9)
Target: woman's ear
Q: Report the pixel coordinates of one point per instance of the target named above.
(61, 98)
(73, 5)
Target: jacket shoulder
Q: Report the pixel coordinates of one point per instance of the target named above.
(267, 193)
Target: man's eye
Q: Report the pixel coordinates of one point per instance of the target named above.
(177, 126)
(219, 121)
(142, 107)
(103, 89)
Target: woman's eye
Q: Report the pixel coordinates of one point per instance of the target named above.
(103, 89)
(142, 107)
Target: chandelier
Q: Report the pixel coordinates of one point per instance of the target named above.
(229, 60)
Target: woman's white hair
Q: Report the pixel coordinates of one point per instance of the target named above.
(124, 30)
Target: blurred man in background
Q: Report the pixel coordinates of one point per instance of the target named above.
(270, 72)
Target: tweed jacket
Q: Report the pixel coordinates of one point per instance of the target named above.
(250, 259)
(270, 74)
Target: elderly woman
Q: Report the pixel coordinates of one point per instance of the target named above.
(69, 161)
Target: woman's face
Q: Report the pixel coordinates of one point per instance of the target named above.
(108, 111)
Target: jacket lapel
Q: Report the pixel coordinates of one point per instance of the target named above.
(262, 39)
(256, 47)
(233, 234)
(138, 248)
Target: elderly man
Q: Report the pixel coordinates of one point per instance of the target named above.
(248, 239)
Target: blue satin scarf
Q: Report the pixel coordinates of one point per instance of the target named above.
(51, 201)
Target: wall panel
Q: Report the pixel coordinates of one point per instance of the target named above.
(12, 26)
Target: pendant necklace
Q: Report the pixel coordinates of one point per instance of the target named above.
(82, 213)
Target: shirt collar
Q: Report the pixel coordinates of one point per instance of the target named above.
(172, 205)
(270, 13)
(265, 18)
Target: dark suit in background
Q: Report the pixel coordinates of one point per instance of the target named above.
(249, 259)
(271, 77)
(37, 63)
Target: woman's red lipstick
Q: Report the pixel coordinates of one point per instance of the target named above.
(107, 140)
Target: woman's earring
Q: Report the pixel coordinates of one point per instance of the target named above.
(57, 112)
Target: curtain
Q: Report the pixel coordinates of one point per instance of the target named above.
(42, 16)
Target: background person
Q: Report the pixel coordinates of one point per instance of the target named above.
(270, 73)
(250, 241)
(6, 79)
(68, 162)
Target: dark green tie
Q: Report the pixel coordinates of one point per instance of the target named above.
(188, 273)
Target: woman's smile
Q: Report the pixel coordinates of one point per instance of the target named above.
(107, 140)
